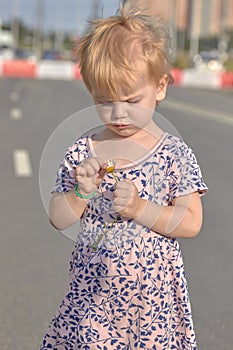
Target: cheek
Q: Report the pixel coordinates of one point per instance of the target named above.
(140, 116)
(104, 113)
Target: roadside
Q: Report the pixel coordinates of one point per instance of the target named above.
(66, 70)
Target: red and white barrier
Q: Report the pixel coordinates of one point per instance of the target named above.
(227, 79)
(54, 70)
(202, 78)
(18, 69)
(63, 70)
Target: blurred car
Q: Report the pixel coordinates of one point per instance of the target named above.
(7, 44)
(53, 55)
(6, 53)
(24, 55)
(208, 60)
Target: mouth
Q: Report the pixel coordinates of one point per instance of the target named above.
(120, 126)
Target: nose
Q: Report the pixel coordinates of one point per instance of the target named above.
(119, 110)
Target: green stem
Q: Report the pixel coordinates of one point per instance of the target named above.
(115, 177)
(94, 246)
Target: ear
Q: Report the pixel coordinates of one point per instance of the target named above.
(162, 88)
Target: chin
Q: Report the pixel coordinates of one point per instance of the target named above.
(125, 133)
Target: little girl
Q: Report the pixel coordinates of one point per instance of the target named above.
(136, 190)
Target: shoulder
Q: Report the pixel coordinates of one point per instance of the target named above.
(79, 144)
(79, 149)
(175, 147)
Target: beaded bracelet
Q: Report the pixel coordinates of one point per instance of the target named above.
(78, 194)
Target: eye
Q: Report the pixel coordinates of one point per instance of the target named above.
(133, 101)
(104, 103)
(105, 106)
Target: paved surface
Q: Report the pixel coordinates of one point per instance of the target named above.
(34, 257)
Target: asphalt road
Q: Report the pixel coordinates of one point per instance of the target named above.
(34, 258)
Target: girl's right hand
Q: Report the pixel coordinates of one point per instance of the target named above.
(89, 174)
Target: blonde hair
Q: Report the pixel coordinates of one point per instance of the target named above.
(109, 54)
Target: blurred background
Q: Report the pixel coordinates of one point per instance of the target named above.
(41, 86)
(46, 29)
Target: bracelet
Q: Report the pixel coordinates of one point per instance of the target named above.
(78, 194)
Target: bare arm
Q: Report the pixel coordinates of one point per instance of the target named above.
(65, 209)
(182, 219)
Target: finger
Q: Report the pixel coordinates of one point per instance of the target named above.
(97, 164)
(123, 185)
(100, 162)
(122, 193)
(104, 166)
(80, 172)
(102, 170)
(127, 182)
(91, 169)
(124, 190)
(118, 208)
(121, 202)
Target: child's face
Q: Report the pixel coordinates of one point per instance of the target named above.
(133, 110)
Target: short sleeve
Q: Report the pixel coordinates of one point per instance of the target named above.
(65, 180)
(185, 173)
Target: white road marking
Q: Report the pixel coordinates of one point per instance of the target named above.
(16, 113)
(22, 163)
(217, 116)
(14, 96)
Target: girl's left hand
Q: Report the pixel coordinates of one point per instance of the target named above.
(127, 201)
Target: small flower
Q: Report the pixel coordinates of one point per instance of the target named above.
(110, 169)
(111, 166)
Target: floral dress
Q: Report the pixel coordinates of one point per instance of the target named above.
(131, 292)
